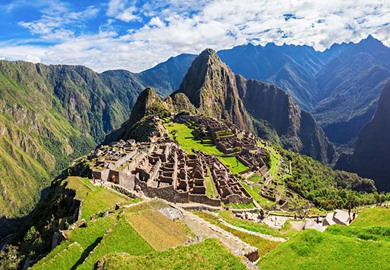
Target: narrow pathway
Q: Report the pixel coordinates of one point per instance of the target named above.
(262, 235)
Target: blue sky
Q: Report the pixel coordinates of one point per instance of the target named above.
(136, 35)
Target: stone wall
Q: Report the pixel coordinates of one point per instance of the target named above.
(204, 200)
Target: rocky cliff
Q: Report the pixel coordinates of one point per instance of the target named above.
(371, 158)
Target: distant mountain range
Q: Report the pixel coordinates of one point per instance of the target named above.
(339, 86)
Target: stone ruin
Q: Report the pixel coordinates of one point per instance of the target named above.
(164, 170)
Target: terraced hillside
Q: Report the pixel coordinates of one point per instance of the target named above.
(138, 229)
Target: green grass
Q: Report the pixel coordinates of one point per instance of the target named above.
(95, 199)
(241, 205)
(65, 259)
(123, 238)
(255, 179)
(372, 217)
(159, 231)
(209, 254)
(91, 234)
(187, 141)
(263, 245)
(254, 192)
(211, 190)
(233, 164)
(374, 233)
(311, 249)
(87, 238)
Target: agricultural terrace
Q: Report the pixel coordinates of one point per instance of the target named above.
(159, 231)
(96, 199)
(209, 254)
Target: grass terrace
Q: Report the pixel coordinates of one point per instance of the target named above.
(311, 249)
(114, 241)
(95, 198)
(159, 231)
(209, 254)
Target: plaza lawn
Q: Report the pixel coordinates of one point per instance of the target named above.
(95, 198)
(208, 254)
(182, 134)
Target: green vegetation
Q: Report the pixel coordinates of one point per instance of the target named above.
(311, 249)
(159, 231)
(325, 187)
(86, 238)
(114, 242)
(211, 190)
(255, 193)
(378, 216)
(374, 233)
(234, 165)
(208, 254)
(95, 199)
(185, 138)
(63, 260)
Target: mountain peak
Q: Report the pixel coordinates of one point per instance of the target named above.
(145, 101)
(211, 86)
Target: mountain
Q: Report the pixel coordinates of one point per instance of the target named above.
(166, 77)
(370, 158)
(297, 129)
(50, 115)
(290, 67)
(140, 125)
(212, 88)
(217, 92)
(350, 86)
(339, 86)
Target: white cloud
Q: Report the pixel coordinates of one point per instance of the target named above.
(53, 23)
(121, 10)
(32, 58)
(174, 26)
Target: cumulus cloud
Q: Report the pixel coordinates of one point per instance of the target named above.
(174, 26)
(122, 10)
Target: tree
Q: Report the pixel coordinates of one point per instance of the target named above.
(10, 258)
(32, 244)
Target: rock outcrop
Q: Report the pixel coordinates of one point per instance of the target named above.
(371, 158)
